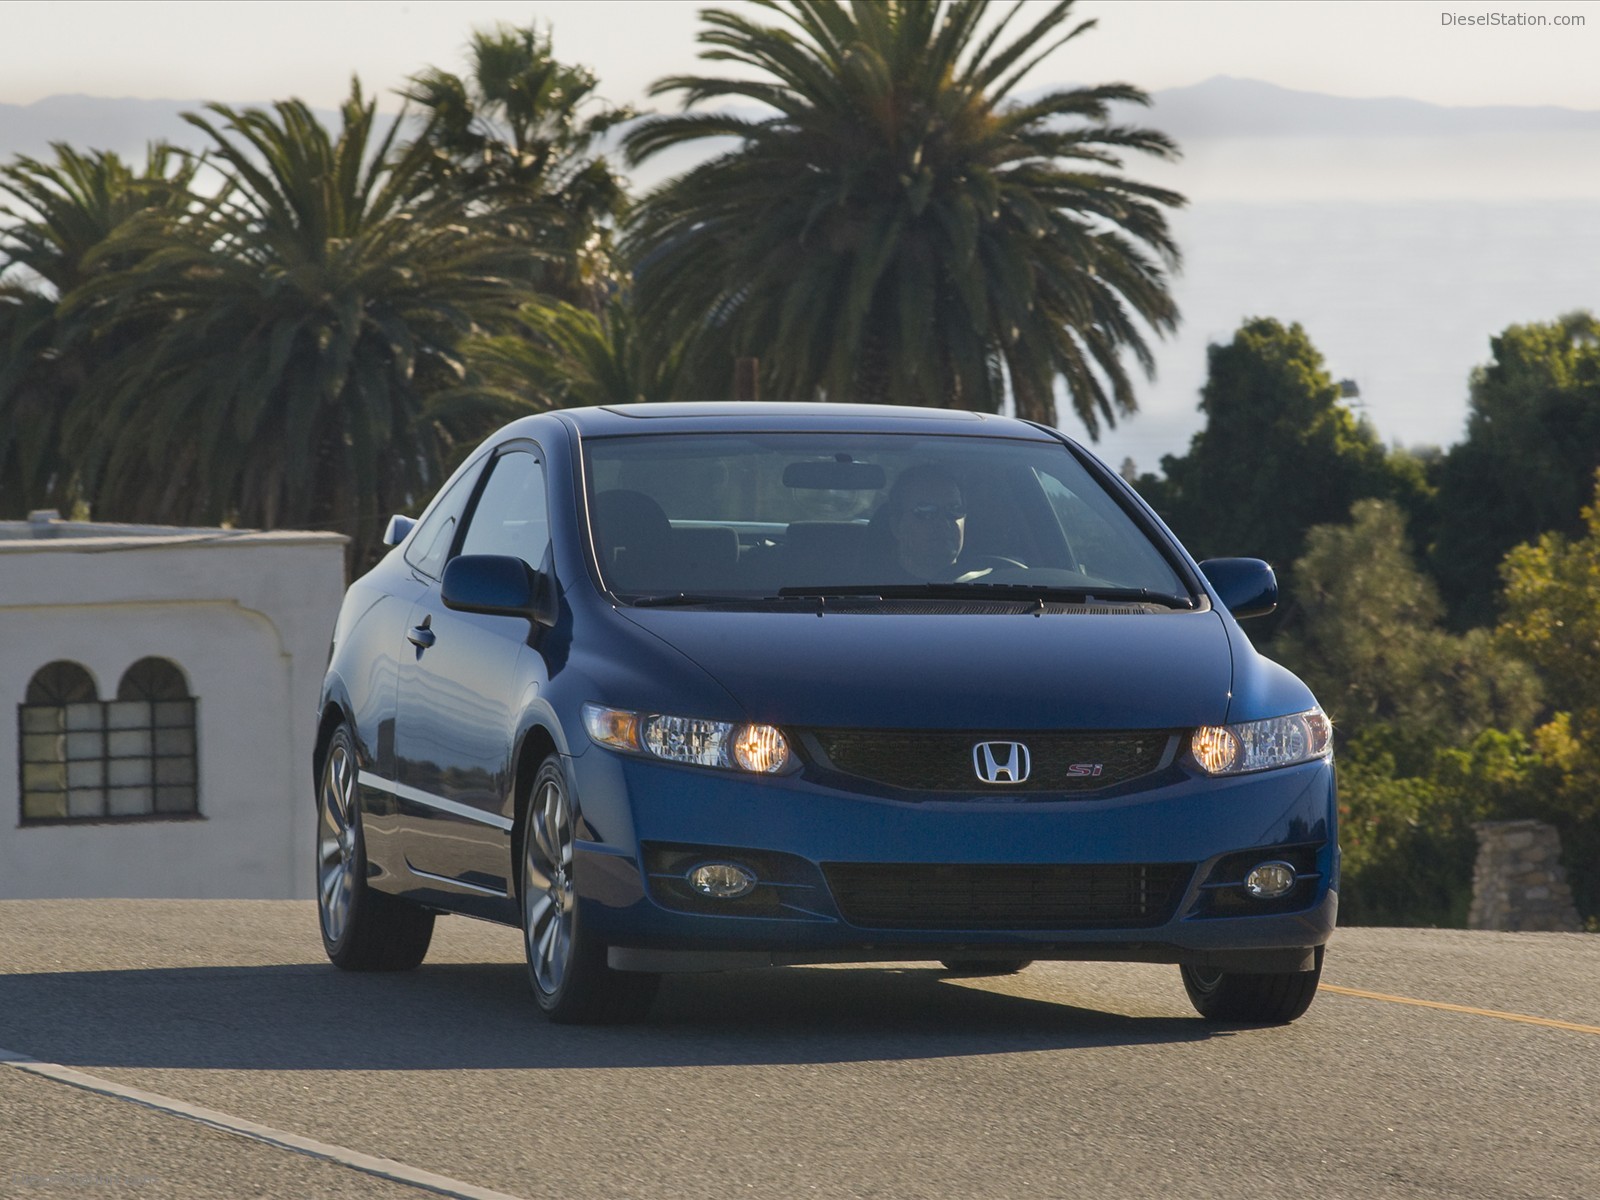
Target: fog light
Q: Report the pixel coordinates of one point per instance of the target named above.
(760, 748)
(722, 881)
(1215, 748)
(1269, 880)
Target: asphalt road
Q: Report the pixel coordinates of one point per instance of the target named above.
(1068, 1080)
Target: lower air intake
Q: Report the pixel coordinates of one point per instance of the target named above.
(1048, 896)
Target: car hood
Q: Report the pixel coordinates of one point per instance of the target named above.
(960, 671)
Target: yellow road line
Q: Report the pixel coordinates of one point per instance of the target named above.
(1463, 1008)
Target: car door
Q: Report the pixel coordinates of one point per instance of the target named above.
(374, 683)
(461, 688)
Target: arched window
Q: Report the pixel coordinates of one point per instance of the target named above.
(150, 748)
(60, 728)
(61, 683)
(88, 759)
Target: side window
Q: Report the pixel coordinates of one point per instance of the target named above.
(511, 517)
(1101, 539)
(430, 542)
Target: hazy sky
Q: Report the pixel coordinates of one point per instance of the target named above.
(247, 51)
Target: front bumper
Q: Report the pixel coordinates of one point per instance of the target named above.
(1152, 874)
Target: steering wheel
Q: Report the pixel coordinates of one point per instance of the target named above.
(993, 562)
(987, 562)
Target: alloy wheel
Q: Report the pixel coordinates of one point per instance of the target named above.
(337, 838)
(547, 895)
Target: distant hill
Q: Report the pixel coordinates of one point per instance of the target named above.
(1221, 107)
(102, 123)
(1227, 107)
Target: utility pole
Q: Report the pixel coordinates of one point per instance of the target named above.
(747, 379)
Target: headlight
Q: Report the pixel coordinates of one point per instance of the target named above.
(1261, 745)
(757, 748)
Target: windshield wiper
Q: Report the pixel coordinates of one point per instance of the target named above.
(689, 599)
(997, 591)
(1091, 595)
(671, 599)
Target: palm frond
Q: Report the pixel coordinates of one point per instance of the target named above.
(888, 227)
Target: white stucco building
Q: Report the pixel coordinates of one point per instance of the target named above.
(161, 689)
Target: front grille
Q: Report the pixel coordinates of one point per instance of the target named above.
(1040, 896)
(941, 760)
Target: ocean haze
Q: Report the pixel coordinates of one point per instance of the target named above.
(1401, 234)
(1400, 297)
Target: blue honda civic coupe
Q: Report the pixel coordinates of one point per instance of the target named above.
(700, 687)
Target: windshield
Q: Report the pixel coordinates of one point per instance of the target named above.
(708, 516)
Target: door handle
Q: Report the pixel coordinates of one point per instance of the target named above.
(421, 636)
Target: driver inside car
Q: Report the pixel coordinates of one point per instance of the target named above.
(926, 518)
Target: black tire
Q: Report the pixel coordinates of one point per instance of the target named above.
(1238, 998)
(985, 966)
(567, 970)
(362, 929)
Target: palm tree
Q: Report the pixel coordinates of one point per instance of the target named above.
(891, 225)
(299, 321)
(61, 213)
(526, 129)
(563, 356)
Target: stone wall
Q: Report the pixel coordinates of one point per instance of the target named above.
(1518, 882)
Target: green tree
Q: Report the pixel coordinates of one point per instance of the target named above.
(523, 131)
(562, 355)
(1552, 615)
(1431, 725)
(891, 225)
(1278, 454)
(1552, 610)
(295, 327)
(1532, 445)
(1407, 836)
(1408, 845)
(1369, 643)
(60, 214)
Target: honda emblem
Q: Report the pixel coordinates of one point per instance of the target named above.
(1001, 762)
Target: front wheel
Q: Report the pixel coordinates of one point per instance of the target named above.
(362, 929)
(566, 966)
(1238, 997)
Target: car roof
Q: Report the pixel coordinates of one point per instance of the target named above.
(765, 417)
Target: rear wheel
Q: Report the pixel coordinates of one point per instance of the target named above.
(362, 929)
(566, 966)
(1249, 999)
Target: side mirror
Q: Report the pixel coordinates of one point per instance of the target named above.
(399, 528)
(496, 585)
(1246, 586)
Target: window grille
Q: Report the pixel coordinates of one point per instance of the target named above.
(85, 759)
